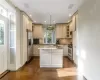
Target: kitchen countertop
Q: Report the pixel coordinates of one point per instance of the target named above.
(50, 44)
(50, 48)
(47, 48)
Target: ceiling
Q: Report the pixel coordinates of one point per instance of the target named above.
(40, 10)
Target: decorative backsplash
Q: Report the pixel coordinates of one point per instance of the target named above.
(61, 41)
(65, 41)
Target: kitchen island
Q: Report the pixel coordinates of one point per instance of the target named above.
(51, 57)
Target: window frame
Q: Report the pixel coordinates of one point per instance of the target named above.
(1, 21)
(53, 39)
(3, 9)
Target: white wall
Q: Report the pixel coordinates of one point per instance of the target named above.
(18, 38)
(74, 47)
(88, 39)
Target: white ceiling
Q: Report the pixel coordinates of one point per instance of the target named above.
(41, 9)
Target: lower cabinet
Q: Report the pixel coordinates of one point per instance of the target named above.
(36, 50)
(45, 58)
(57, 60)
(65, 48)
(51, 58)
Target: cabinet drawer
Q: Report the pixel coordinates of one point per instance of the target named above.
(57, 51)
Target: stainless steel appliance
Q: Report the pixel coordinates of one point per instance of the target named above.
(29, 45)
(70, 51)
(35, 41)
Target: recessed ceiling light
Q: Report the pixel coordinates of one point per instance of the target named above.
(68, 21)
(70, 6)
(26, 5)
(45, 21)
(70, 15)
(54, 21)
(30, 15)
(35, 21)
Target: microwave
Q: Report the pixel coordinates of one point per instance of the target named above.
(35, 41)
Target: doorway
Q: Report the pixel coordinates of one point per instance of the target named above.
(3, 44)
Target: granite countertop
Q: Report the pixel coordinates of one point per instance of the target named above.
(47, 48)
(50, 48)
(50, 44)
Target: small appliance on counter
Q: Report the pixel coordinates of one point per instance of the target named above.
(57, 41)
(36, 41)
(70, 51)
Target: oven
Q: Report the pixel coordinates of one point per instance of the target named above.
(70, 51)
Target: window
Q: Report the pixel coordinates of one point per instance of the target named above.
(12, 29)
(1, 32)
(49, 36)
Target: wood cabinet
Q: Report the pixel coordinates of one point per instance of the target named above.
(61, 30)
(38, 31)
(36, 50)
(64, 30)
(30, 25)
(73, 24)
(68, 32)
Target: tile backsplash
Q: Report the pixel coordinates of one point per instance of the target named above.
(65, 41)
(61, 41)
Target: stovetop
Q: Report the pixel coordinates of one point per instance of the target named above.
(70, 45)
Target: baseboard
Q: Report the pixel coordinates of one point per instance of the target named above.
(36, 57)
(29, 60)
(84, 78)
(26, 64)
(4, 73)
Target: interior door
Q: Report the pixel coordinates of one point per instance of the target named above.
(3, 44)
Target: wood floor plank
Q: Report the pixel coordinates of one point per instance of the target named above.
(32, 71)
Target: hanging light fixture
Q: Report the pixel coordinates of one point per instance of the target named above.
(50, 27)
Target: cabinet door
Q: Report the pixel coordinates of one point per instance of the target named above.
(59, 31)
(38, 31)
(64, 31)
(45, 58)
(65, 48)
(36, 50)
(73, 24)
(57, 58)
(30, 25)
(35, 32)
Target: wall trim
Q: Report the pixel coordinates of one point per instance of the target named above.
(4, 73)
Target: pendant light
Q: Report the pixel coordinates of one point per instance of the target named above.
(50, 27)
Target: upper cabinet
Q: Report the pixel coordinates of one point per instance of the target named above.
(63, 31)
(59, 31)
(27, 22)
(73, 24)
(29, 27)
(38, 31)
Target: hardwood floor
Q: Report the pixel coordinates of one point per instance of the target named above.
(32, 71)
